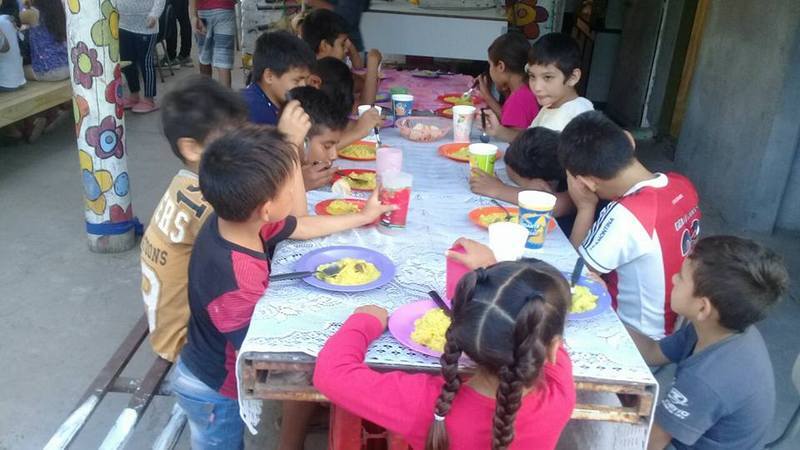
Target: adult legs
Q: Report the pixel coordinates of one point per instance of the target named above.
(127, 52)
(181, 9)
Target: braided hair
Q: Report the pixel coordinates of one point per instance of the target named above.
(504, 319)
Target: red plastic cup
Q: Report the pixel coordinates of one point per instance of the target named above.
(395, 190)
(455, 271)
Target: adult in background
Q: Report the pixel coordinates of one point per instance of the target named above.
(138, 30)
(350, 10)
(180, 11)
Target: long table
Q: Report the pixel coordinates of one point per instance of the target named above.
(293, 320)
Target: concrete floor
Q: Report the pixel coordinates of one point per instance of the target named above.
(65, 310)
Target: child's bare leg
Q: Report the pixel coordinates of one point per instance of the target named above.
(296, 417)
(205, 69)
(224, 77)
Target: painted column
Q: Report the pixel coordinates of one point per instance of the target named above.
(93, 46)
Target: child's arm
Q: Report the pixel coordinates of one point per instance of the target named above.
(361, 128)
(483, 184)
(586, 203)
(294, 123)
(486, 93)
(393, 399)
(649, 348)
(659, 439)
(370, 89)
(310, 227)
(355, 56)
(494, 129)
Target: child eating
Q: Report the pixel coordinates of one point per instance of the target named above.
(509, 319)
(281, 62)
(641, 238)
(723, 394)
(553, 73)
(247, 175)
(507, 57)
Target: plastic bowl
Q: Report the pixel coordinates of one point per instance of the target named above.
(423, 132)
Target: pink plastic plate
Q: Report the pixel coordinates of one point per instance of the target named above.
(401, 325)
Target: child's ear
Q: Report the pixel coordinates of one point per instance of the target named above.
(589, 182)
(324, 48)
(706, 310)
(574, 78)
(501, 66)
(631, 139)
(314, 81)
(552, 349)
(262, 212)
(267, 77)
(190, 150)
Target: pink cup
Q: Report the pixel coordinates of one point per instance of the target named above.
(388, 159)
(455, 271)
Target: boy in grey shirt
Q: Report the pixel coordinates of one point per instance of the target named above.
(723, 395)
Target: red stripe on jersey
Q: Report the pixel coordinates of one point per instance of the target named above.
(229, 388)
(233, 310)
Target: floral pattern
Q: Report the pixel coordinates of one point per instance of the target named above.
(527, 14)
(115, 93)
(106, 139)
(74, 6)
(105, 32)
(85, 65)
(95, 184)
(80, 109)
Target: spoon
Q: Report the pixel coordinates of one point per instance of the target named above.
(576, 274)
(331, 271)
(440, 303)
(484, 136)
(508, 214)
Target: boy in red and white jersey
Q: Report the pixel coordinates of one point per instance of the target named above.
(641, 238)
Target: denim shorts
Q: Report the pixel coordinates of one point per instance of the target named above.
(216, 46)
(213, 418)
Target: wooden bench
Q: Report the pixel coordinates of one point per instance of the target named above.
(33, 98)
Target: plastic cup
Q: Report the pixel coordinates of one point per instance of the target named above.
(463, 116)
(364, 108)
(482, 156)
(395, 190)
(402, 104)
(507, 240)
(388, 159)
(455, 271)
(535, 211)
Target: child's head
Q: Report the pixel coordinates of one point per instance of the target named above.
(327, 123)
(507, 56)
(554, 69)
(195, 111)
(730, 280)
(595, 150)
(333, 77)
(534, 154)
(246, 174)
(509, 319)
(326, 33)
(281, 62)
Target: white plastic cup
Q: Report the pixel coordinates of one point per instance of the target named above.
(402, 105)
(507, 240)
(463, 116)
(388, 159)
(364, 108)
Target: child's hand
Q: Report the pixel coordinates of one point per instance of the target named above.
(294, 123)
(374, 58)
(368, 121)
(151, 21)
(476, 255)
(581, 195)
(538, 184)
(317, 174)
(199, 26)
(374, 208)
(484, 83)
(482, 183)
(492, 123)
(374, 311)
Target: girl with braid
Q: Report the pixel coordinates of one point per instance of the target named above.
(508, 319)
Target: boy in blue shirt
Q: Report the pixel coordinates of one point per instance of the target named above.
(723, 395)
(281, 62)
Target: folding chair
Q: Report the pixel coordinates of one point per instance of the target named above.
(166, 25)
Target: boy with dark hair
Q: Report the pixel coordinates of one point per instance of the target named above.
(641, 238)
(281, 62)
(553, 73)
(247, 176)
(328, 121)
(723, 394)
(190, 116)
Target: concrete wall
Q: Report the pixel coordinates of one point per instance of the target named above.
(740, 133)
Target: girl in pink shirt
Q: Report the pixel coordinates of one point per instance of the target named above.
(508, 319)
(508, 55)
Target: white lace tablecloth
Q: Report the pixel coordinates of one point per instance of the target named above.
(294, 317)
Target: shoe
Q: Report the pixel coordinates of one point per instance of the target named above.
(145, 106)
(128, 103)
(167, 62)
(36, 129)
(185, 61)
